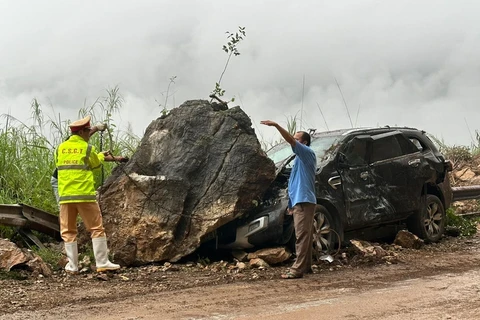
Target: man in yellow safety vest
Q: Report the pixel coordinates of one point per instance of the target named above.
(75, 161)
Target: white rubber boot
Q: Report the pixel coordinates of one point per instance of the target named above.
(71, 249)
(100, 251)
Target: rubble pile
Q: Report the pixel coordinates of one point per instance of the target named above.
(13, 257)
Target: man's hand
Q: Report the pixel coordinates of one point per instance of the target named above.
(285, 134)
(110, 157)
(269, 123)
(101, 126)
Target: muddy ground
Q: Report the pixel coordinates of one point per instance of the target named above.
(438, 281)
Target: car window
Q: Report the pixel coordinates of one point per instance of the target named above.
(417, 143)
(355, 152)
(407, 145)
(319, 144)
(386, 147)
(280, 152)
(392, 145)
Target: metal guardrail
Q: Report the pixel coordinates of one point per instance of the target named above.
(26, 218)
(466, 193)
(11, 215)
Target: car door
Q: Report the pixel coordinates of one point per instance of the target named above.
(397, 167)
(358, 184)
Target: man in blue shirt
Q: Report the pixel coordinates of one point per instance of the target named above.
(302, 199)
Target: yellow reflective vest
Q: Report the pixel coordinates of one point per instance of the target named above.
(75, 160)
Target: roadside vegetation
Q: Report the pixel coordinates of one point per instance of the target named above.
(461, 156)
(460, 226)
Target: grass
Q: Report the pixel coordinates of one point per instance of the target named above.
(26, 165)
(12, 275)
(49, 256)
(6, 232)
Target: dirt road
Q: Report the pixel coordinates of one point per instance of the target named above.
(440, 281)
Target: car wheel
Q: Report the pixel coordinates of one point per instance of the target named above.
(429, 222)
(324, 236)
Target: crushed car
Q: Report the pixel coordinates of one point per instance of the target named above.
(367, 179)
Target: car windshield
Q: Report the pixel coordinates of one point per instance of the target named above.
(319, 145)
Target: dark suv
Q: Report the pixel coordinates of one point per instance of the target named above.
(366, 180)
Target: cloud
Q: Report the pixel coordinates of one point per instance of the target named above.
(405, 63)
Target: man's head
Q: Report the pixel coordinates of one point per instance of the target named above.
(81, 127)
(302, 137)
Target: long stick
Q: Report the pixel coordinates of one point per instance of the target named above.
(344, 102)
(301, 110)
(358, 111)
(101, 148)
(469, 132)
(324, 120)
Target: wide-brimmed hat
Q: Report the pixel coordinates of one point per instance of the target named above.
(80, 124)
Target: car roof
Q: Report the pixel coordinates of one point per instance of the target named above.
(346, 132)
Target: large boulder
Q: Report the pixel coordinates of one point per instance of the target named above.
(196, 169)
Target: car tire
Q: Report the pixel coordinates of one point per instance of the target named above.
(428, 223)
(325, 234)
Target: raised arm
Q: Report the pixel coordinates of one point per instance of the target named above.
(285, 134)
(98, 127)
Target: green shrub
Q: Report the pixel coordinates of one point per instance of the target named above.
(465, 226)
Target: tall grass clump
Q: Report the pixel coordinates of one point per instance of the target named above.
(456, 154)
(27, 150)
(26, 165)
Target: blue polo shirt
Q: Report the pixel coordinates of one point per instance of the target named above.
(301, 185)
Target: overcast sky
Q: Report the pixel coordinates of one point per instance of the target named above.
(406, 63)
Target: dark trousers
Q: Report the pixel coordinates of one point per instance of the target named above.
(303, 214)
